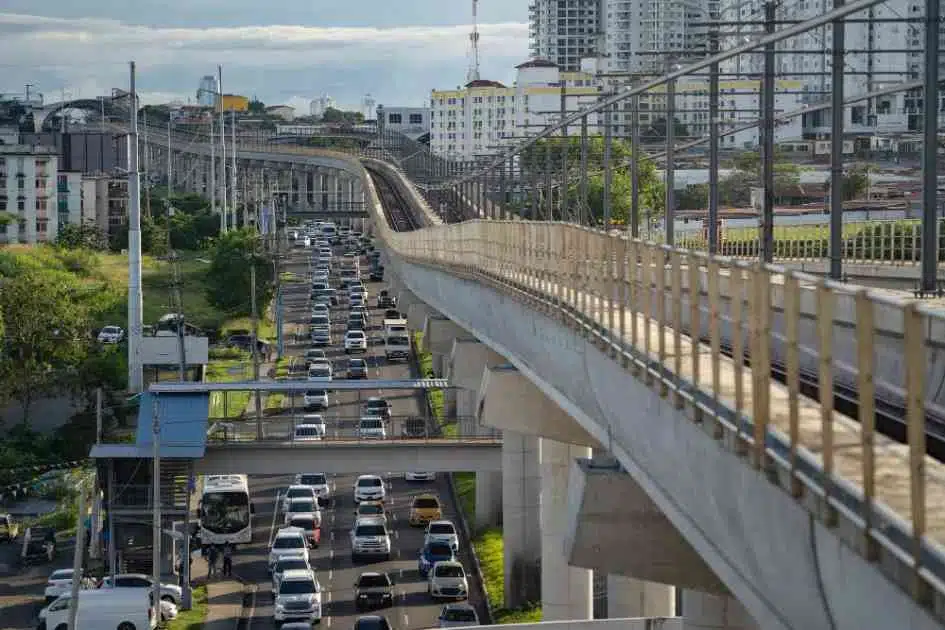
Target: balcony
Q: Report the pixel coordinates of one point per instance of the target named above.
(63, 187)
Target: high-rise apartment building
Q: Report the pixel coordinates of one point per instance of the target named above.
(318, 106)
(628, 35)
(207, 91)
(28, 181)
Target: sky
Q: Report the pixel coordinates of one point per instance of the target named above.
(288, 52)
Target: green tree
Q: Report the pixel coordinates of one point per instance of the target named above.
(335, 115)
(657, 130)
(47, 328)
(228, 278)
(82, 236)
(6, 218)
(256, 106)
(693, 197)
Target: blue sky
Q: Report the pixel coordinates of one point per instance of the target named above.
(397, 52)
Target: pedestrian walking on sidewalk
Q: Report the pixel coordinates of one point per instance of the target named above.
(212, 555)
(227, 560)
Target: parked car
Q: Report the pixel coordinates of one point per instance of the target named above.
(111, 334)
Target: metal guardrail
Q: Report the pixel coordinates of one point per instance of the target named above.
(628, 296)
(412, 429)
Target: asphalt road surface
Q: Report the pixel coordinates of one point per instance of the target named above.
(336, 572)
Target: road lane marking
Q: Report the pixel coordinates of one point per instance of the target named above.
(406, 620)
(275, 515)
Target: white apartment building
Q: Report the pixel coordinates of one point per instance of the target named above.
(318, 106)
(105, 202)
(564, 31)
(413, 122)
(482, 117)
(897, 113)
(69, 198)
(207, 91)
(28, 178)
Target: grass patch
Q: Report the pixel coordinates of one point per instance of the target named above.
(435, 397)
(267, 327)
(275, 402)
(192, 619)
(524, 615)
(465, 485)
(229, 404)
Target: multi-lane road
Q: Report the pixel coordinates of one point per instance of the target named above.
(336, 572)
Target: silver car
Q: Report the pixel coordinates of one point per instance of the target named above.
(458, 616)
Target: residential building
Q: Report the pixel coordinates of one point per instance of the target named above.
(69, 197)
(285, 112)
(105, 202)
(484, 116)
(318, 106)
(564, 32)
(207, 91)
(899, 113)
(28, 177)
(413, 122)
(233, 103)
(191, 114)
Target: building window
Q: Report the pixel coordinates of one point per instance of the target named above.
(394, 119)
(41, 204)
(40, 183)
(416, 119)
(21, 204)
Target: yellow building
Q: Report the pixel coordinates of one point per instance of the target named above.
(233, 103)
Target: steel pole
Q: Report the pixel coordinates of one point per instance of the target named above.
(670, 228)
(634, 166)
(77, 563)
(156, 509)
(930, 149)
(135, 301)
(767, 138)
(836, 149)
(582, 183)
(713, 146)
(225, 218)
(252, 297)
(606, 166)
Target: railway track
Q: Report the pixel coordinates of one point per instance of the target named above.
(889, 416)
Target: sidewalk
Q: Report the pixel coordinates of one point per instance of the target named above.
(224, 599)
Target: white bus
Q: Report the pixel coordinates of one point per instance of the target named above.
(226, 511)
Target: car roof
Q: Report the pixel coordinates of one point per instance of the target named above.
(442, 522)
(370, 519)
(459, 606)
(368, 477)
(297, 574)
(286, 532)
(310, 515)
(450, 563)
(427, 495)
(371, 574)
(299, 486)
(291, 557)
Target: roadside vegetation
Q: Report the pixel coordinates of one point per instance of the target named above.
(191, 619)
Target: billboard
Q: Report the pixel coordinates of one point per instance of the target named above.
(164, 350)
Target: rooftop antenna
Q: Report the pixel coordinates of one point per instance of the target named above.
(474, 40)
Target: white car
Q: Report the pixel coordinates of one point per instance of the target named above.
(289, 541)
(319, 372)
(299, 597)
(303, 505)
(314, 426)
(297, 492)
(111, 334)
(369, 488)
(60, 583)
(320, 275)
(320, 309)
(356, 341)
(372, 428)
(169, 592)
(168, 609)
(448, 581)
(442, 531)
(315, 399)
(317, 482)
(419, 476)
(369, 537)
(287, 563)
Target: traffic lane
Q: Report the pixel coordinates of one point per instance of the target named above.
(22, 589)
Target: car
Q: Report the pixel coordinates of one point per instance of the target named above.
(372, 428)
(287, 563)
(319, 372)
(356, 299)
(448, 580)
(315, 355)
(310, 523)
(373, 590)
(299, 597)
(355, 324)
(318, 482)
(320, 274)
(303, 505)
(377, 406)
(392, 313)
(320, 309)
(369, 488)
(321, 338)
(432, 553)
(297, 491)
(357, 368)
(419, 476)
(376, 274)
(372, 622)
(443, 531)
(371, 509)
(456, 616)
(415, 428)
(386, 300)
(423, 509)
(315, 399)
(356, 341)
(60, 583)
(308, 433)
(169, 610)
(169, 592)
(111, 334)
(369, 537)
(289, 541)
(320, 322)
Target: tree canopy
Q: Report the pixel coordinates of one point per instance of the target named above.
(335, 115)
(228, 278)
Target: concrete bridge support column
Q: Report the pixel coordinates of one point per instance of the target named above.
(630, 597)
(488, 500)
(715, 612)
(303, 189)
(566, 592)
(521, 487)
(322, 203)
(438, 335)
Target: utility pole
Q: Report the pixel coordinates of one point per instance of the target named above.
(223, 151)
(213, 176)
(147, 167)
(767, 139)
(233, 167)
(252, 300)
(179, 303)
(170, 177)
(77, 562)
(135, 306)
(156, 509)
(930, 96)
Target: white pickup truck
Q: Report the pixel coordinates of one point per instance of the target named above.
(396, 339)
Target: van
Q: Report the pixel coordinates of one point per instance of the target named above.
(107, 609)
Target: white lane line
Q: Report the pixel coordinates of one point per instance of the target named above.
(406, 620)
(331, 536)
(275, 515)
(397, 533)
(331, 572)
(327, 622)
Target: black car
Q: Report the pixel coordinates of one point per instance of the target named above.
(372, 622)
(377, 274)
(386, 300)
(357, 368)
(392, 313)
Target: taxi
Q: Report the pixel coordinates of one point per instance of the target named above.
(425, 508)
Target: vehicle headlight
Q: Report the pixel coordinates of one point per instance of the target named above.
(280, 606)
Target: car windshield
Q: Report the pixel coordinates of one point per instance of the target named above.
(460, 614)
(450, 571)
(111, 329)
(297, 587)
(369, 581)
(291, 564)
(442, 528)
(302, 505)
(370, 530)
(397, 340)
(320, 371)
(315, 393)
(288, 542)
(307, 432)
(371, 424)
(295, 493)
(428, 502)
(369, 482)
(356, 334)
(371, 623)
(439, 550)
(370, 509)
(314, 479)
(377, 404)
(357, 363)
(302, 523)
(62, 574)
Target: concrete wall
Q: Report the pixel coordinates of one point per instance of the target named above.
(788, 570)
(648, 623)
